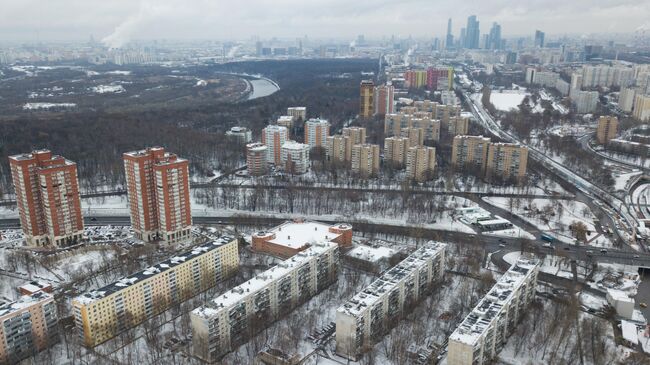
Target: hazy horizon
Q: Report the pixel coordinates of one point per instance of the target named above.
(120, 21)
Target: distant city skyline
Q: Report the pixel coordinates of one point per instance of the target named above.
(120, 21)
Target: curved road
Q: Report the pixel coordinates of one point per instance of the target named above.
(592, 191)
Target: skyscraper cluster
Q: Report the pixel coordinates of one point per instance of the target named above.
(472, 33)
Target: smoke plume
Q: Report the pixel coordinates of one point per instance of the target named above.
(125, 31)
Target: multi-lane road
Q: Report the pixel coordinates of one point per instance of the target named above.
(490, 243)
(608, 202)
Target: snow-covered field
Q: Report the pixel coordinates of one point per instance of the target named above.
(47, 106)
(507, 99)
(108, 89)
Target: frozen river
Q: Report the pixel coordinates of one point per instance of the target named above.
(262, 87)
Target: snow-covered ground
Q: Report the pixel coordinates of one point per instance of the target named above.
(547, 336)
(47, 106)
(108, 89)
(554, 265)
(560, 215)
(507, 99)
(627, 158)
(622, 179)
(515, 232)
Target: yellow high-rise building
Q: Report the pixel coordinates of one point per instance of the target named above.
(414, 135)
(431, 127)
(395, 149)
(642, 108)
(365, 159)
(421, 163)
(470, 152)
(394, 123)
(506, 161)
(607, 129)
(339, 149)
(457, 126)
(367, 100)
(356, 134)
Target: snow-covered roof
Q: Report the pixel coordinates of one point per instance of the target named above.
(92, 296)
(263, 280)
(371, 254)
(296, 234)
(296, 146)
(23, 302)
(488, 222)
(285, 118)
(238, 129)
(317, 121)
(256, 146)
(630, 332)
(619, 296)
(34, 286)
(474, 214)
(487, 311)
(391, 279)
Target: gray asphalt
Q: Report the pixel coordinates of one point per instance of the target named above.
(490, 243)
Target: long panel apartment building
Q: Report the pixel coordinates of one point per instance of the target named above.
(364, 319)
(104, 313)
(484, 332)
(159, 195)
(27, 326)
(47, 195)
(230, 319)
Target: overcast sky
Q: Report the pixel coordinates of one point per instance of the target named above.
(119, 21)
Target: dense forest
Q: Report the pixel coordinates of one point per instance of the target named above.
(194, 129)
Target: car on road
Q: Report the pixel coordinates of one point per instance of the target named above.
(589, 252)
(567, 248)
(502, 245)
(603, 251)
(93, 219)
(549, 246)
(636, 256)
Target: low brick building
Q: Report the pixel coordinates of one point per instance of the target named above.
(291, 237)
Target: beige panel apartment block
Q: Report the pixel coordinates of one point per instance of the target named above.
(365, 159)
(470, 152)
(421, 163)
(395, 149)
(506, 161)
(104, 313)
(607, 129)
